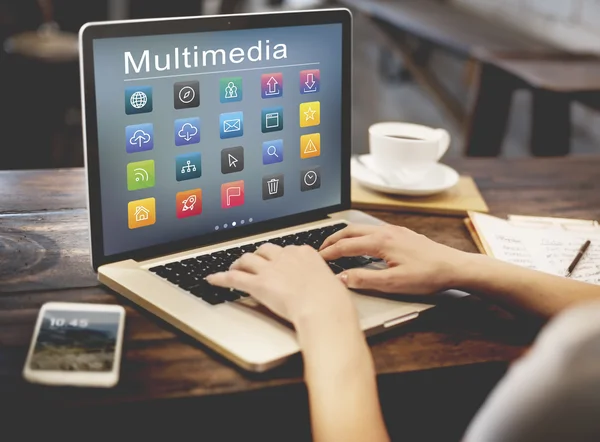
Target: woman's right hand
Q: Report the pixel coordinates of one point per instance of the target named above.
(416, 264)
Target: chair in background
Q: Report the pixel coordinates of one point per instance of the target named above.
(39, 75)
(505, 60)
(555, 81)
(40, 85)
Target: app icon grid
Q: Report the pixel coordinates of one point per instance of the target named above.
(140, 138)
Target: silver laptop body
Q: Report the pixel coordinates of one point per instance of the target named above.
(255, 122)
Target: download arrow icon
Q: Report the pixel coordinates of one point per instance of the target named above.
(310, 81)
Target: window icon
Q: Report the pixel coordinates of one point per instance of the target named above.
(232, 125)
(272, 119)
(310, 81)
(189, 203)
(232, 160)
(138, 100)
(310, 114)
(310, 179)
(141, 213)
(186, 94)
(272, 85)
(187, 131)
(310, 146)
(232, 194)
(231, 89)
(139, 137)
(188, 166)
(272, 186)
(272, 152)
(140, 175)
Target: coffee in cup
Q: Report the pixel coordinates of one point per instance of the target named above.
(404, 153)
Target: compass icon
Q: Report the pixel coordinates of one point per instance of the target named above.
(187, 95)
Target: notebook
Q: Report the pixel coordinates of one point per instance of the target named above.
(539, 243)
(458, 201)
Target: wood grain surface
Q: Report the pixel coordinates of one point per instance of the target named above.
(43, 256)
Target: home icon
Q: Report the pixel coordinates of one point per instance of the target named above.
(141, 214)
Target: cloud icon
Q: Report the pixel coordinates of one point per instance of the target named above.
(140, 137)
(187, 131)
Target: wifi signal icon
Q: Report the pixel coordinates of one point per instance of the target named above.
(140, 175)
(186, 94)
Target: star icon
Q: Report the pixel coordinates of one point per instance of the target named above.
(310, 114)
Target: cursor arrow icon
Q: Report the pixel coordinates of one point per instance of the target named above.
(232, 161)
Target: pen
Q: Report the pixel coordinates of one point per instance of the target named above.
(580, 254)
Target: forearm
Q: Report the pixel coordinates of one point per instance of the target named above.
(341, 383)
(536, 292)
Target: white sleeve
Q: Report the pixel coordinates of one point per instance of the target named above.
(553, 393)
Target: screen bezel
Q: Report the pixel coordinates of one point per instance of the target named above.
(132, 28)
(77, 378)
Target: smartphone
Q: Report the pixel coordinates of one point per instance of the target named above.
(77, 345)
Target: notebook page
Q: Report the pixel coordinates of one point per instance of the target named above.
(550, 249)
(505, 242)
(561, 247)
(546, 222)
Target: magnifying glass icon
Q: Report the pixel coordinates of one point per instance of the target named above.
(272, 151)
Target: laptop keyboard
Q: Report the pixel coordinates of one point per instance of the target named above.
(189, 274)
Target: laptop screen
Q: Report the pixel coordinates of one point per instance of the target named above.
(212, 131)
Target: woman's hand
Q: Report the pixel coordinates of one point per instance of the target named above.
(294, 282)
(297, 284)
(417, 265)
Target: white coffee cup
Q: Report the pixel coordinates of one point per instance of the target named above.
(404, 153)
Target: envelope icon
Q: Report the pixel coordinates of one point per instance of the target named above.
(232, 125)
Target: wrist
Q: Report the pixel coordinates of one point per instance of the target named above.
(469, 269)
(322, 318)
(332, 324)
(334, 351)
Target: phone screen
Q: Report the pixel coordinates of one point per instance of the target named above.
(71, 340)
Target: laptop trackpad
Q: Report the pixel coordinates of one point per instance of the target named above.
(372, 310)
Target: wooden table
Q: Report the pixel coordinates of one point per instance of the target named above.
(438, 369)
(412, 29)
(555, 82)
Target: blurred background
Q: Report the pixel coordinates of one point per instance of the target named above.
(505, 77)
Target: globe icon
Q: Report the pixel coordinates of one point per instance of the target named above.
(138, 100)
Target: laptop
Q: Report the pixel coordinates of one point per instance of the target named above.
(206, 137)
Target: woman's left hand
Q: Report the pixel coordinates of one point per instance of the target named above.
(294, 282)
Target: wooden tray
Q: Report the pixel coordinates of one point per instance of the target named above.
(459, 200)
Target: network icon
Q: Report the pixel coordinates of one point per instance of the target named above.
(189, 167)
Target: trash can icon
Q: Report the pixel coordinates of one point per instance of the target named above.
(273, 186)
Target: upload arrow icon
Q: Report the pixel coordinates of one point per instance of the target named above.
(272, 85)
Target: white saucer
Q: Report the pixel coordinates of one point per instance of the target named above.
(438, 179)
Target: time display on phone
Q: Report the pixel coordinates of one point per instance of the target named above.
(62, 322)
(76, 341)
